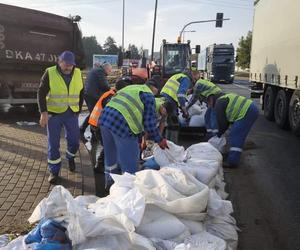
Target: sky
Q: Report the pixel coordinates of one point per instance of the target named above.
(103, 18)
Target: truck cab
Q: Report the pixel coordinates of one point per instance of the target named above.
(218, 63)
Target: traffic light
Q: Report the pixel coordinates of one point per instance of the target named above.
(219, 20)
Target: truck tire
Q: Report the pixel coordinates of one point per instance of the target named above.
(269, 99)
(294, 113)
(281, 109)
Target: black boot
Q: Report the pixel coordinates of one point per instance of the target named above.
(53, 178)
(99, 166)
(72, 165)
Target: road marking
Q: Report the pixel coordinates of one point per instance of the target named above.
(242, 87)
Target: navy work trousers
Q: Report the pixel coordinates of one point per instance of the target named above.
(120, 154)
(68, 120)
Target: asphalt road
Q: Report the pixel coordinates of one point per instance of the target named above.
(265, 188)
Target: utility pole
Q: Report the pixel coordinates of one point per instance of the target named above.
(153, 35)
(123, 27)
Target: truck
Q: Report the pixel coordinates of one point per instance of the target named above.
(30, 41)
(217, 63)
(274, 66)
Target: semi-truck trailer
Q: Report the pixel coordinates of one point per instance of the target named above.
(30, 41)
(274, 67)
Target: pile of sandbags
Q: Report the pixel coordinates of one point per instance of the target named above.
(181, 206)
(196, 113)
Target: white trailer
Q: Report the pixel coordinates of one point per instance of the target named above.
(275, 55)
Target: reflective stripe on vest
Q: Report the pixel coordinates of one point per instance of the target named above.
(237, 107)
(172, 85)
(60, 97)
(206, 88)
(95, 115)
(128, 102)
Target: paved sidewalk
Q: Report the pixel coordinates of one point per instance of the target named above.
(23, 174)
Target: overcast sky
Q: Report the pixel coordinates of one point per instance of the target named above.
(103, 18)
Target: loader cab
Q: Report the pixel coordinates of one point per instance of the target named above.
(174, 58)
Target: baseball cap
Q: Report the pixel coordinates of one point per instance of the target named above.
(68, 57)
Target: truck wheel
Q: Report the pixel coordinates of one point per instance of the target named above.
(294, 113)
(281, 109)
(269, 99)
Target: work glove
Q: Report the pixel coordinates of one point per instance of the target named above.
(163, 144)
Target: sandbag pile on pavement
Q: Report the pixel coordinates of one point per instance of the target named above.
(196, 113)
(181, 206)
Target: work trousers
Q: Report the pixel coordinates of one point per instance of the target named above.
(211, 124)
(238, 134)
(120, 154)
(68, 120)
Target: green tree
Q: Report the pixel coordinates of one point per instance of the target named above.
(134, 51)
(244, 51)
(110, 47)
(91, 46)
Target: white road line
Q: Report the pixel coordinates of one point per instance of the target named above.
(242, 87)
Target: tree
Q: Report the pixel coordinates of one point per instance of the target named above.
(134, 51)
(91, 46)
(244, 51)
(110, 47)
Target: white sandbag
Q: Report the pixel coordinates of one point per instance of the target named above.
(197, 121)
(202, 241)
(105, 217)
(193, 226)
(206, 170)
(157, 223)
(204, 151)
(107, 242)
(218, 207)
(197, 109)
(132, 241)
(55, 206)
(218, 142)
(224, 228)
(165, 157)
(131, 204)
(122, 184)
(173, 190)
(219, 222)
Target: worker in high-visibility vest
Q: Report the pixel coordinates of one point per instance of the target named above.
(203, 90)
(60, 98)
(129, 114)
(175, 92)
(176, 88)
(94, 120)
(240, 113)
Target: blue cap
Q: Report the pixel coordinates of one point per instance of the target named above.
(68, 57)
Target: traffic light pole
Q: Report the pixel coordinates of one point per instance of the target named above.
(204, 21)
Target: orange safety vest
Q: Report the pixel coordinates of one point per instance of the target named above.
(94, 117)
